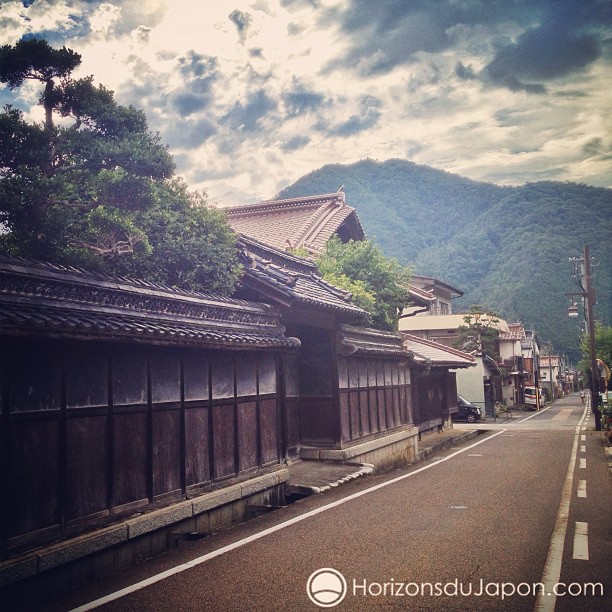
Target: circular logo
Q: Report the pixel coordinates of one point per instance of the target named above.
(326, 587)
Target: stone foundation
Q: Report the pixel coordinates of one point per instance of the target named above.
(72, 562)
(398, 448)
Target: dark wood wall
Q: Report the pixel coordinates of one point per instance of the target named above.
(374, 396)
(92, 431)
(435, 397)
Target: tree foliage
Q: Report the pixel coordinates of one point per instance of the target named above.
(379, 284)
(94, 186)
(603, 350)
(480, 334)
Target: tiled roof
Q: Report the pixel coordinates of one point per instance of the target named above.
(421, 297)
(40, 298)
(430, 284)
(436, 354)
(516, 331)
(307, 222)
(366, 341)
(293, 279)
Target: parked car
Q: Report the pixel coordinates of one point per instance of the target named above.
(467, 411)
(530, 397)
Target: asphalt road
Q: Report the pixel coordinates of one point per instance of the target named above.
(472, 528)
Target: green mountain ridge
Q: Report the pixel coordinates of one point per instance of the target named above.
(506, 248)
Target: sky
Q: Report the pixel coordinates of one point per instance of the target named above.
(250, 95)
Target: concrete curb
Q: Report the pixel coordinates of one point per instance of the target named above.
(361, 469)
(446, 443)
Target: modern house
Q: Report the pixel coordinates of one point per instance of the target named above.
(551, 375)
(481, 384)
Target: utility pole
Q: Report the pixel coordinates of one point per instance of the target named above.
(590, 301)
(582, 272)
(550, 376)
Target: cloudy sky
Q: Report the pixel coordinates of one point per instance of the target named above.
(252, 94)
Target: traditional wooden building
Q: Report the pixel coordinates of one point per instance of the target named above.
(120, 397)
(434, 380)
(346, 385)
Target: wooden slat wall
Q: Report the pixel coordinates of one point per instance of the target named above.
(92, 431)
(373, 396)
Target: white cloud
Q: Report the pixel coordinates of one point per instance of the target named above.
(221, 95)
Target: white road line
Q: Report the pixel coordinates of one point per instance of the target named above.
(581, 541)
(535, 414)
(583, 438)
(546, 599)
(581, 491)
(261, 534)
(583, 449)
(582, 465)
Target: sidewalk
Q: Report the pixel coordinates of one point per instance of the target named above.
(311, 477)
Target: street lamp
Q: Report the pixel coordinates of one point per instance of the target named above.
(582, 271)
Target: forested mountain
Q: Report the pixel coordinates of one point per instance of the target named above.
(507, 248)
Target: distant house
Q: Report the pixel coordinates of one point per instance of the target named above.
(512, 360)
(530, 348)
(551, 375)
(441, 294)
(481, 384)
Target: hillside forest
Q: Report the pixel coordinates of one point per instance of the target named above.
(506, 248)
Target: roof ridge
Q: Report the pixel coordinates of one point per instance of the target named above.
(439, 345)
(289, 202)
(316, 222)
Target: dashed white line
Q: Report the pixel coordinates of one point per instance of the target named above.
(581, 492)
(583, 449)
(554, 557)
(583, 438)
(581, 541)
(582, 465)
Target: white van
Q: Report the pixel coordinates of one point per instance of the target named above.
(530, 397)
